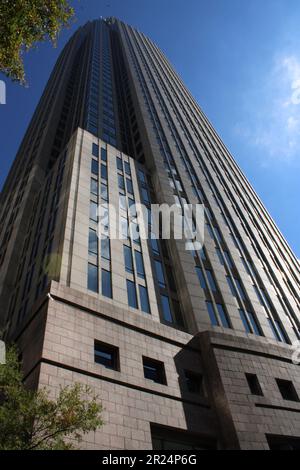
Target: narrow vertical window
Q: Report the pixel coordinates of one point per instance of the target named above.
(139, 264)
(95, 150)
(166, 309)
(92, 278)
(160, 274)
(106, 283)
(131, 294)
(201, 277)
(212, 314)
(144, 298)
(95, 167)
(128, 259)
(93, 242)
(103, 154)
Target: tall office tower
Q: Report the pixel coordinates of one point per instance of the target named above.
(187, 349)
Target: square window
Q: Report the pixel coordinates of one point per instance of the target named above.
(194, 382)
(107, 355)
(254, 385)
(154, 370)
(287, 390)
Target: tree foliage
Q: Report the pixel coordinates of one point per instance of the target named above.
(31, 420)
(23, 23)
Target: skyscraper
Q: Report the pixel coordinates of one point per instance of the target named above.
(187, 349)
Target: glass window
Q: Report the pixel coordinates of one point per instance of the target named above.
(121, 182)
(103, 154)
(128, 259)
(160, 274)
(139, 264)
(104, 192)
(218, 235)
(228, 259)
(95, 167)
(211, 280)
(104, 172)
(93, 242)
(166, 309)
(246, 266)
(280, 331)
(127, 168)
(154, 244)
(94, 187)
(95, 150)
(240, 289)
(202, 254)
(131, 294)
(212, 314)
(144, 298)
(107, 356)
(124, 228)
(129, 186)
(154, 370)
(254, 385)
(105, 248)
(135, 232)
(254, 323)
(245, 321)
(145, 196)
(119, 164)
(194, 382)
(142, 177)
(231, 286)
(274, 331)
(220, 256)
(93, 211)
(92, 278)
(287, 390)
(132, 207)
(201, 277)
(122, 202)
(223, 316)
(210, 231)
(106, 283)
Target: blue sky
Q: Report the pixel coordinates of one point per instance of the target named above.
(241, 61)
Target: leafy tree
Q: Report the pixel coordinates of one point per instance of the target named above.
(23, 23)
(30, 420)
